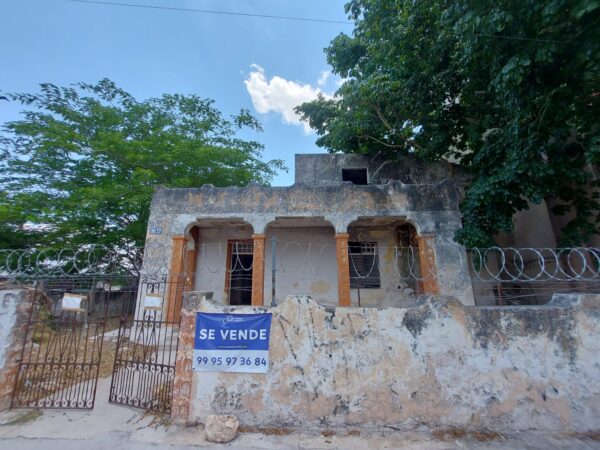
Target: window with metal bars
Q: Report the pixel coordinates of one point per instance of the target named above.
(364, 265)
(242, 247)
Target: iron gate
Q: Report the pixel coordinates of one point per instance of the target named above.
(62, 350)
(144, 366)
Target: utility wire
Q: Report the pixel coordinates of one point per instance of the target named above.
(302, 19)
(209, 11)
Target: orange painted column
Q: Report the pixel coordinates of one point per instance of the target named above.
(192, 258)
(258, 270)
(177, 274)
(428, 265)
(343, 267)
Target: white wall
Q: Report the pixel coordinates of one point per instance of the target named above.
(306, 264)
(391, 292)
(8, 314)
(212, 259)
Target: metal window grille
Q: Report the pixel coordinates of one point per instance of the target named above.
(242, 248)
(364, 265)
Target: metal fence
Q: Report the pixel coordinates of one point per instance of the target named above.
(63, 350)
(499, 275)
(146, 347)
(112, 332)
(127, 323)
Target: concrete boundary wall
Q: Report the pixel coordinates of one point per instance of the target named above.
(440, 364)
(14, 311)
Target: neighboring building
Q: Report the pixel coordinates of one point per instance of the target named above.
(350, 230)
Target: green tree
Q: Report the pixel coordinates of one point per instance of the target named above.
(81, 165)
(508, 88)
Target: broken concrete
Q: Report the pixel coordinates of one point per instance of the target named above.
(221, 429)
(427, 199)
(439, 365)
(15, 306)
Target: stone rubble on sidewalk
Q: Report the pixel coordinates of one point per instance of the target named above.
(221, 428)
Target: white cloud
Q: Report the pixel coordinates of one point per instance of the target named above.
(325, 74)
(280, 95)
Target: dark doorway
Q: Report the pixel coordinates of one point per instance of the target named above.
(240, 272)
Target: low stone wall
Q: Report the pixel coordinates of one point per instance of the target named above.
(440, 364)
(14, 311)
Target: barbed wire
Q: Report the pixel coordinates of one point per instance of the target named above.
(308, 258)
(527, 265)
(86, 260)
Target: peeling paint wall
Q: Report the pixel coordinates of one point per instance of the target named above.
(305, 265)
(439, 364)
(394, 290)
(8, 313)
(15, 306)
(432, 208)
(302, 270)
(326, 169)
(212, 260)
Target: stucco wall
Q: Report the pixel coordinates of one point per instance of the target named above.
(440, 364)
(306, 264)
(212, 260)
(394, 285)
(8, 314)
(14, 310)
(326, 169)
(432, 208)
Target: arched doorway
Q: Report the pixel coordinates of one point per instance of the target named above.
(383, 259)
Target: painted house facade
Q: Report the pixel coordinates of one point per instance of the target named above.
(350, 231)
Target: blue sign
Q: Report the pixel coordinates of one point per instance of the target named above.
(232, 342)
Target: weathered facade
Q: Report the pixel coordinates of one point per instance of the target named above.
(15, 307)
(438, 364)
(350, 231)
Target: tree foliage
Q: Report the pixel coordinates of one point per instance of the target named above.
(81, 165)
(508, 88)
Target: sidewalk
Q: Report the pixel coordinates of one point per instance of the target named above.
(113, 427)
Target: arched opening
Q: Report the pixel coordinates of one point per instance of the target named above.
(300, 259)
(225, 260)
(384, 264)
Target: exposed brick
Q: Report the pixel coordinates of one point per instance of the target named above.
(183, 369)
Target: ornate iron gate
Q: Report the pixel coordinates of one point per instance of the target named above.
(62, 350)
(144, 368)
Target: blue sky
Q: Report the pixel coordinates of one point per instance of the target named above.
(265, 65)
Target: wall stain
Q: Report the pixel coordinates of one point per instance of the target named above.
(415, 319)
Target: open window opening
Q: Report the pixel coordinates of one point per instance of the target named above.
(364, 265)
(356, 176)
(239, 273)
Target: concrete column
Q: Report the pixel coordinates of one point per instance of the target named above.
(343, 267)
(428, 265)
(192, 258)
(177, 276)
(182, 383)
(15, 309)
(258, 270)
